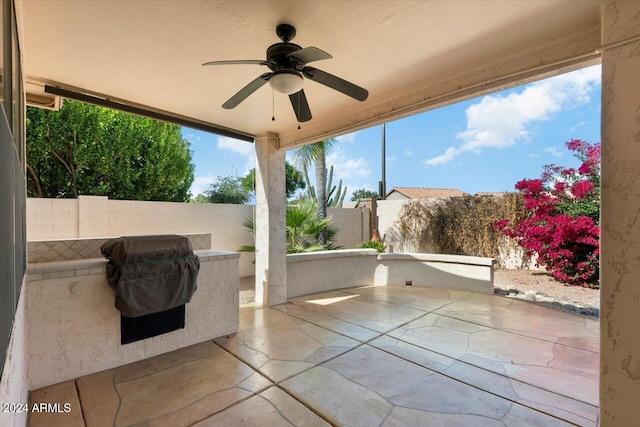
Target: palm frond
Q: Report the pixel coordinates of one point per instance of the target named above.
(332, 247)
(307, 154)
(302, 229)
(249, 224)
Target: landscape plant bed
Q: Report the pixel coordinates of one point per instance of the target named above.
(540, 288)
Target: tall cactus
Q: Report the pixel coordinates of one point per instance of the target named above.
(335, 194)
(335, 198)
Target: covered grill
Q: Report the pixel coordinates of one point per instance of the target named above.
(151, 274)
(153, 278)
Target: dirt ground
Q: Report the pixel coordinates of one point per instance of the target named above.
(541, 281)
(522, 280)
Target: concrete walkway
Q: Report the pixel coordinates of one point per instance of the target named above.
(392, 356)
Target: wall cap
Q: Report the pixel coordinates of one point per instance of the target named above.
(83, 264)
(340, 253)
(453, 259)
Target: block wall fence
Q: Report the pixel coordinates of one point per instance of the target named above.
(98, 216)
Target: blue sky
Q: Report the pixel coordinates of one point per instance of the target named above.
(483, 144)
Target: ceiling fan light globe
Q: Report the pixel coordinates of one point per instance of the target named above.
(286, 82)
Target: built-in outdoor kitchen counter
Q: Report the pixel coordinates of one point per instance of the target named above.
(73, 326)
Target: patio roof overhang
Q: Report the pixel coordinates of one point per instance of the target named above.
(411, 55)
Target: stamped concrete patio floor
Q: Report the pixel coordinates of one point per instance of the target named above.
(391, 356)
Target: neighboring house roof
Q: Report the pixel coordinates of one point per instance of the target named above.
(491, 193)
(426, 193)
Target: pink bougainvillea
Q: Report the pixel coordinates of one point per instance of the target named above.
(563, 229)
(581, 188)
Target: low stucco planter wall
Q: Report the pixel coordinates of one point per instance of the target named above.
(73, 327)
(312, 272)
(438, 271)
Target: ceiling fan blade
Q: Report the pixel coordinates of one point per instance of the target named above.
(246, 91)
(336, 83)
(300, 106)
(238, 62)
(309, 54)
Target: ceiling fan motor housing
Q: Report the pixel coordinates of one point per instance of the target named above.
(277, 54)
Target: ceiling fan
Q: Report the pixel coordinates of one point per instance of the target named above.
(288, 64)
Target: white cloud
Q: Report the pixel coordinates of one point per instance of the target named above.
(501, 121)
(391, 159)
(242, 148)
(349, 137)
(579, 125)
(553, 151)
(201, 183)
(443, 158)
(352, 171)
(346, 168)
(192, 137)
(534, 155)
(408, 153)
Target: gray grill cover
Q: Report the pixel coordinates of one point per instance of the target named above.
(151, 273)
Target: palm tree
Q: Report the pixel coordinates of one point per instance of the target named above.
(316, 153)
(303, 228)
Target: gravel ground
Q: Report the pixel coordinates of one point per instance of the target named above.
(247, 290)
(541, 281)
(521, 280)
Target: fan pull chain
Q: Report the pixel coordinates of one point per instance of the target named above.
(298, 110)
(273, 104)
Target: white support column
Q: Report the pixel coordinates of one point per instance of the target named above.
(270, 226)
(620, 223)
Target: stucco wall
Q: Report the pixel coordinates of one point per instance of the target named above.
(620, 228)
(224, 222)
(388, 211)
(93, 216)
(437, 271)
(74, 327)
(353, 225)
(396, 196)
(313, 272)
(14, 385)
(52, 219)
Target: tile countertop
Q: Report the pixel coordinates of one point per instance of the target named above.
(92, 265)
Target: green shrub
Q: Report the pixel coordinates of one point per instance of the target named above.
(303, 229)
(379, 246)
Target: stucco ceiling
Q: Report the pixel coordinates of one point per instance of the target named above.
(150, 52)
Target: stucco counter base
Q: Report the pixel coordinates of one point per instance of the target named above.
(73, 327)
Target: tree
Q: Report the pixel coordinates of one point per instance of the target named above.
(294, 181)
(364, 194)
(316, 154)
(87, 150)
(227, 189)
(562, 229)
(200, 198)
